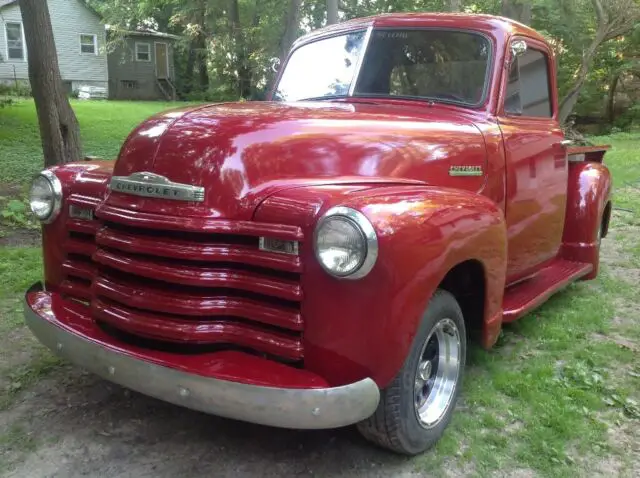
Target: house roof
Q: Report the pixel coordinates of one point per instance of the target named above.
(4, 3)
(143, 32)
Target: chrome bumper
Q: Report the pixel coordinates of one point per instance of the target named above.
(279, 407)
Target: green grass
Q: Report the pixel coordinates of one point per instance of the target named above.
(20, 267)
(103, 128)
(541, 399)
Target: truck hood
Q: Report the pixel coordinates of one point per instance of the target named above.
(243, 152)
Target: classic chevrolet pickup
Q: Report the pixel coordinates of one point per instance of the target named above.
(323, 258)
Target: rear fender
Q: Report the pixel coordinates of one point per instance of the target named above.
(588, 196)
(365, 327)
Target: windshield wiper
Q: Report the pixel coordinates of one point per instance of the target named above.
(320, 98)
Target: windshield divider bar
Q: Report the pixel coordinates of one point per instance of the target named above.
(356, 73)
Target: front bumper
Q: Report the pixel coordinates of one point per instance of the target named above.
(66, 329)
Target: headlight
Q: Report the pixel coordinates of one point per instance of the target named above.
(45, 197)
(345, 243)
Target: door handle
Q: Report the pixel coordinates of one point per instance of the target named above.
(565, 143)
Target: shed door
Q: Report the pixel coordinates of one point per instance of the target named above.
(162, 61)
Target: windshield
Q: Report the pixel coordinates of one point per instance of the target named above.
(439, 65)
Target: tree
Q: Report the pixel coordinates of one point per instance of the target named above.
(455, 5)
(332, 12)
(291, 27)
(518, 10)
(59, 129)
(613, 19)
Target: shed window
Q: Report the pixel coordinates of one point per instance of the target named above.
(15, 41)
(129, 84)
(88, 44)
(143, 52)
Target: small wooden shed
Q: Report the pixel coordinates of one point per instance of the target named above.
(141, 65)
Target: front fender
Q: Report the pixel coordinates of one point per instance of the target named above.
(365, 327)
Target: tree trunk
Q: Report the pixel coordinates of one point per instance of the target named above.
(189, 79)
(201, 45)
(203, 71)
(518, 10)
(291, 28)
(244, 72)
(611, 100)
(455, 5)
(332, 12)
(59, 129)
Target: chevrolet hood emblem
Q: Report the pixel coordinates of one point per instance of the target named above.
(153, 185)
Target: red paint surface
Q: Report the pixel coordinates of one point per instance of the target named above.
(172, 270)
(588, 194)
(523, 297)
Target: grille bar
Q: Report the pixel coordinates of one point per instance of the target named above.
(197, 224)
(204, 276)
(195, 251)
(143, 296)
(81, 247)
(76, 289)
(80, 269)
(197, 331)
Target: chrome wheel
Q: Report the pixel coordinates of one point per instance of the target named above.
(437, 374)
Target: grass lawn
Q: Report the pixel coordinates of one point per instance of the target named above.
(558, 396)
(103, 127)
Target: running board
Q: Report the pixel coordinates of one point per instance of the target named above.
(525, 296)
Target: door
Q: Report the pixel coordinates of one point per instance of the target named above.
(162, 61)
(536, 161)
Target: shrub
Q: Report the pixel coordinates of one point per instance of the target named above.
(19, 90)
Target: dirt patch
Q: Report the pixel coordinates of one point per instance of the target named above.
(10, 237)
(85, 426)
(9, 190)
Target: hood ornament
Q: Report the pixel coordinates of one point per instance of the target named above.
(155, 186)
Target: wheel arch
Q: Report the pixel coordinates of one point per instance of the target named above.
(466, 281)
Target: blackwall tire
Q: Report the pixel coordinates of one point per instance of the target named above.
(401, 423)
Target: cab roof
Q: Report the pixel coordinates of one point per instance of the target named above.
(491, 24)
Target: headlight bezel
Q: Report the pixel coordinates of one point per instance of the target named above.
(56, 188)
(366, 230)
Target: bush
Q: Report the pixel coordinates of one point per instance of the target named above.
(628, 120)
(21, 89)
(215, 94)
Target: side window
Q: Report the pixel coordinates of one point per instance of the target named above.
(528, 86)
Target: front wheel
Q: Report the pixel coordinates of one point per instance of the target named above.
(417, 406)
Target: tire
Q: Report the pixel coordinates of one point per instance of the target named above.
(396, 424)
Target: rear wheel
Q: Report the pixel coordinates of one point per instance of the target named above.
(417, 406)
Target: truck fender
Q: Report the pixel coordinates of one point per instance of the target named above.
(588, 211)
(365, 327)
(439, 230)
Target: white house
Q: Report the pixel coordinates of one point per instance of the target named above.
(79, 35)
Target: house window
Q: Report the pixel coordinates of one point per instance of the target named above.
(15, 41)
(143, 52)
(88, 44)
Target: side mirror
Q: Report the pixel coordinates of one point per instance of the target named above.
(275, 64)
(518, 47)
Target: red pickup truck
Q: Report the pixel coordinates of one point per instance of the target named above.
(323, 258)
